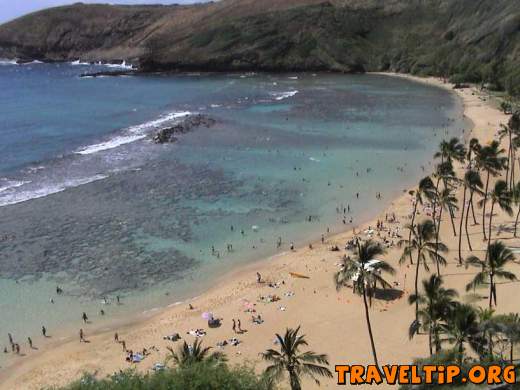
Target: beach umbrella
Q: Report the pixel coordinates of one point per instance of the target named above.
(207, 315)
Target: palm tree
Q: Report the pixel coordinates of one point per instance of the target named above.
(488, 327)
(506, 132)
(502, 197)
(509, 325)
(443, 172)
(473, 149)
(365, 272)
(424, 244)
(491, 269)
(462, 328)
(451, 150)
(447, 201)
(489, 159)
(295, 363)
(515, 197)
(189, 354)
(426, 189)
(473, 182)
(437, 303)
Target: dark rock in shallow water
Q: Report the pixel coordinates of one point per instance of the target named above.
(189, 124)
(110, 73)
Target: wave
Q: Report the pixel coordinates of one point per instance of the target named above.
(6, 184)
(78, 62)
(133, 134)
(122, 65)
(283, 95)
(5, 62)
(110, 144)
(35, 62)
(13, 197)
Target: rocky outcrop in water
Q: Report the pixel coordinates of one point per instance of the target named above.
(189, 124)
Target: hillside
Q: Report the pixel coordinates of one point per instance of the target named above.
(466, 39)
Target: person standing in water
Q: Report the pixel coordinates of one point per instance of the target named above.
(84, 317)
(44, 331)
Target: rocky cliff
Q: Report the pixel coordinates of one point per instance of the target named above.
(469, 40)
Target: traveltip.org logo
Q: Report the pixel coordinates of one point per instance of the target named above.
(425, 374)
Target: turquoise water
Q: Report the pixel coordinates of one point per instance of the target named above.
(89, 203)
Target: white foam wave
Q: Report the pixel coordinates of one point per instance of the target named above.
(35, 62)
(122, 65)
(6, 184)
(5, 62)
(158, 122)
(283, 95)
(110, 144)
(133, 133)
(22, 196)
(78, 62)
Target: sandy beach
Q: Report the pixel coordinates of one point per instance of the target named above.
(332, 321)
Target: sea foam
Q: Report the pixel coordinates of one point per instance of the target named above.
(283, 95)
(132, 134)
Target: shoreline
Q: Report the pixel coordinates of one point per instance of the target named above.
(234, 285)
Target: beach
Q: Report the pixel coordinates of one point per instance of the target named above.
(332, 321)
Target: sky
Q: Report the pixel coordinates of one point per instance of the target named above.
(10, 9)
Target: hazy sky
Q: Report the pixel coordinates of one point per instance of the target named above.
(10, 9)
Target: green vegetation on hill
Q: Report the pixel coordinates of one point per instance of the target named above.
(466, 40)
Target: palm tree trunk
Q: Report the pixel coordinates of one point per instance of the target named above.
(437, 242)
(511, 353)
(430, 340)
(484, 207)
(508, 160)
(490, 221)
(473, 212)
(412, 226)
(417, 285)
(491, 290)
(461, 222)
(369, 326)
(461, 352)
(437, 342)
(452, 222)
(293, 377)
(467, 217)
(516, 220)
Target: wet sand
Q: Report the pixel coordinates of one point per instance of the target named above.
(333, 321)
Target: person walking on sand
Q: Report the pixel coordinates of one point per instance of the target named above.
(81, 336)
(234, 326)
(123, 344)
(29, 340)
(258, 277)
(44, 331)
(85, 318)
(239, 326)
(116, 337)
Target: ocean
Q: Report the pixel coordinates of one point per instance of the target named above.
(90, 203)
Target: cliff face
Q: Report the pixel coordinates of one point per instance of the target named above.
(467, 39)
